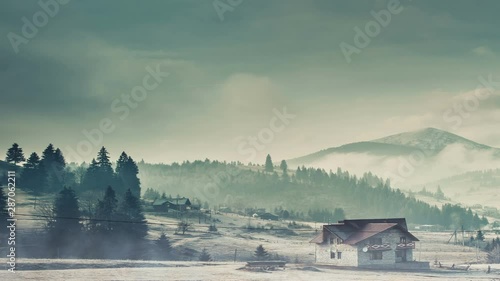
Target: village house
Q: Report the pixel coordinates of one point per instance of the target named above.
(176, 204)
(370, 243)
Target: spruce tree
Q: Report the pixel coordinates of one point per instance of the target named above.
(130, 210)
(163, 246)
(205, 256)
(3, 212)
(104, 163)
(283, 166)
(261, 253)
(269, 164)
(15, 154)
(33, 176)
(64, 230)
(127, 174)
(90, 177)
(106, 210)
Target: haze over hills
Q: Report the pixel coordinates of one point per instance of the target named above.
(407, 158)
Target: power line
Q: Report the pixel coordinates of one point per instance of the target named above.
(256, 229)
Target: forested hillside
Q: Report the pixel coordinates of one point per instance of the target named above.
(237, 186)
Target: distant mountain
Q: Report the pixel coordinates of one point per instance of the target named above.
(430, 147)
(432, 140)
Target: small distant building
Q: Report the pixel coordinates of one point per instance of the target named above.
(177, 204)
(377, 243)
(269, 216)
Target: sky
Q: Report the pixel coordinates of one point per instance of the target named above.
(236, 80)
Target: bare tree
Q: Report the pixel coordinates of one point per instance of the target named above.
(494, 255)
(182, 226)
(46, 212)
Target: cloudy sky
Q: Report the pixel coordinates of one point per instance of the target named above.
(232, 68)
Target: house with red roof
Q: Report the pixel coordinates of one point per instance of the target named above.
(367, 243)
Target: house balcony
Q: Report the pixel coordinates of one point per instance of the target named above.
(402, 246)
(378, 247)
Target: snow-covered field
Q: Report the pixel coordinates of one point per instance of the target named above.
(147, 270)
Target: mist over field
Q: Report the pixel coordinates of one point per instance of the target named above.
(250, 140)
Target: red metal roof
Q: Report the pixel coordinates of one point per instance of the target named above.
(355, 231)
(368, 231)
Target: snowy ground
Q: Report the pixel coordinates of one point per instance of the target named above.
(232, 236)
(144, 270)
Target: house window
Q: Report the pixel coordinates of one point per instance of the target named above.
(375, 241)
(402, 240)
(377, 255)
(332, 255)
(339, 255)
(331, 239)
(399, 254)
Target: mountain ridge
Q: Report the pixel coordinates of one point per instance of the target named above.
(430, 141)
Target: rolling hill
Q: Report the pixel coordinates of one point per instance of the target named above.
(410, 157)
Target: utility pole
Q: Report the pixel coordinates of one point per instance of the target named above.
(235, 252)
(463, 236)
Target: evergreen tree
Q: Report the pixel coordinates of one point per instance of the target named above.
(106, 210)
(480, 235)
(90, 178)
(56, 171)
(33, 176)
(15, 154)
(65, 228)
(100, 172)
(440, 194)
(48, 156)
(163, 245)
(3, 212)
(283, 166)
(269, 164)
(205, 256)
(104, 163)
(127, 174)
(261, 253)
(130, 210)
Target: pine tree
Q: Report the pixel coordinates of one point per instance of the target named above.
(33, 176)
(269, 164)
(104, 162)
(90, 178)
(261, 253)
(480, 235)
(283, 166)
(65, 228)
(106, 210)
(48, 156)
(130, 210)
(15, 154)
(127, 174)
(100, 173)
(163, 246)
(3, 212)
(205, 256)
(56, 172)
